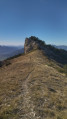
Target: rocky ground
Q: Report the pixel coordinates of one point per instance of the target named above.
(32, 88)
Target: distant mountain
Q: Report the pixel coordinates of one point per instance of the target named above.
(61, 47)
(9, 51)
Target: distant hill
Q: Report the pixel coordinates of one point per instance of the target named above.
(61, 47)
(9, 51)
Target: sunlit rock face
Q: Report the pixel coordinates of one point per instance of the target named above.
(32, 43)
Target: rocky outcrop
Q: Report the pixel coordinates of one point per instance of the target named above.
(50, 51)
(32, 43)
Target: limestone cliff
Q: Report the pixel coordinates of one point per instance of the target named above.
(33, 43)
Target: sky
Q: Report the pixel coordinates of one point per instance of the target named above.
(46, 19)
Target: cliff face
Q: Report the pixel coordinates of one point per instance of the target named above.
(53, 53)
(32, 43)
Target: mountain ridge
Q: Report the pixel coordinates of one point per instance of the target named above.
(9, 51)
(33, 43)
(64, 47)
(31, 87)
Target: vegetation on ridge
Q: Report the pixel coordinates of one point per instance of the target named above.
(58, 55)
(30, 88)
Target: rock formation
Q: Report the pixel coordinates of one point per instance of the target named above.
(33, 43)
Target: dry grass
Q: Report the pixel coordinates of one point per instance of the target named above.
(31, 89)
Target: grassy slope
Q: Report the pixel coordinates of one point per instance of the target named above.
(30, 88)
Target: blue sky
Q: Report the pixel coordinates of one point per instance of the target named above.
(46, 19)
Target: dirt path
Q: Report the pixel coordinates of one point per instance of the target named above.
(27, 102)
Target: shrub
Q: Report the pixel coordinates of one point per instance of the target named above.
(1, 64)
(37, 39)
(65, 69)
(59, 117)
(8, 63)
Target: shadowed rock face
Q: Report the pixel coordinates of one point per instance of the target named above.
(51, 52)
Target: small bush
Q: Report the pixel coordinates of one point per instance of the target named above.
(59, 117)
(1, 64)
(8, 63)
(52, 114)
(65, 69)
